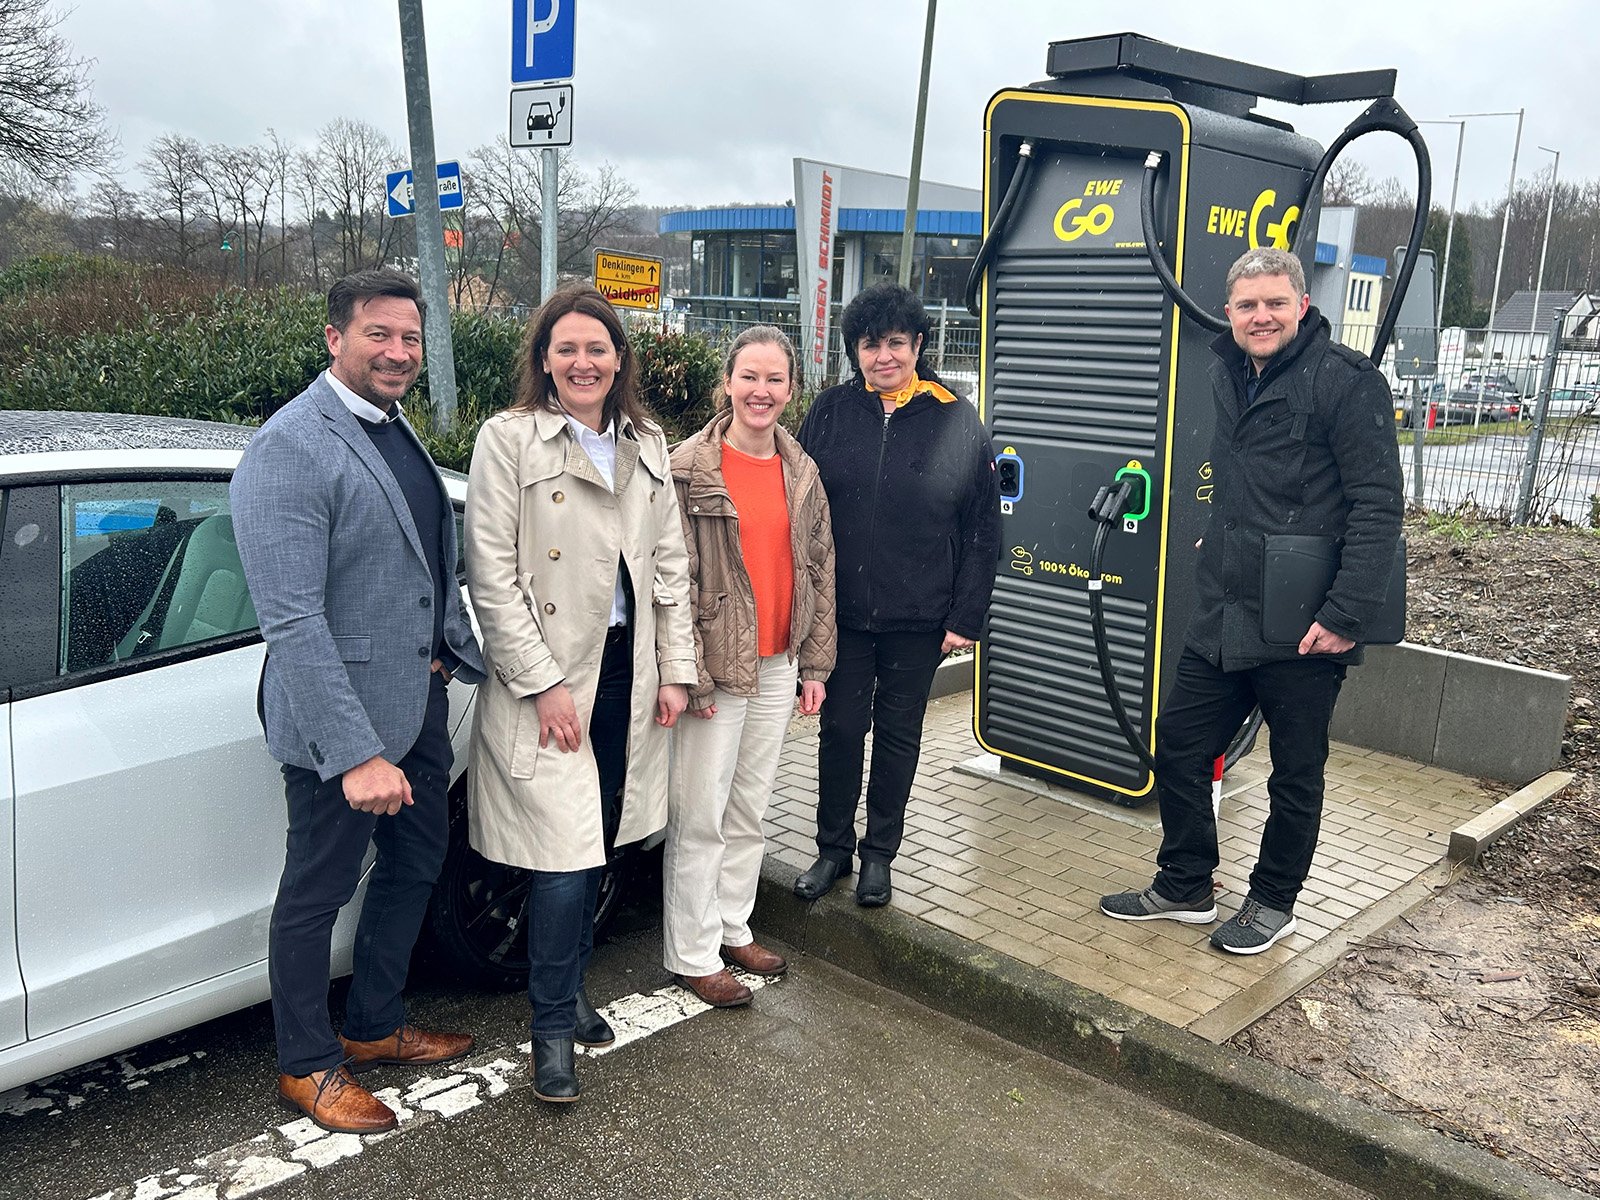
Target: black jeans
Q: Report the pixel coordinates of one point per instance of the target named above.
(561, 903)
(326, 844)
(879, 683)
(1199, 719)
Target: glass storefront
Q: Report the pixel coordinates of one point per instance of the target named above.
(755, 266)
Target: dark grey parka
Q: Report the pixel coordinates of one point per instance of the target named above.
(1314, 454)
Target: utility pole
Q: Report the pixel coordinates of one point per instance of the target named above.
(430, 227)
(1500, 260)
(1450, 227)
(908, 239)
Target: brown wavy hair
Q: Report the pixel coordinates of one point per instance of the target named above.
(534, 387)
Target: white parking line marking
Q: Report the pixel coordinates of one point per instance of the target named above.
(251, 1167)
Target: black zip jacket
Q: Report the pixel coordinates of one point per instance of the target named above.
(916, 510)
(1314, 453)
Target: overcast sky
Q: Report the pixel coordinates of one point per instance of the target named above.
(707, 102)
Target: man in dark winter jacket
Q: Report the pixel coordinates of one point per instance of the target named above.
(1304, 444)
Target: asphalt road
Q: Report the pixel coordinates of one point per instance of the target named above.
(824, 1087)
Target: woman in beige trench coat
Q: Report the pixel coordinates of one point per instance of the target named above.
(579, 580)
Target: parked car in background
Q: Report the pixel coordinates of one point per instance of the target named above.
(1573, 402)
(141, 818)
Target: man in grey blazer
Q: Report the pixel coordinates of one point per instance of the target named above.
(349, 546)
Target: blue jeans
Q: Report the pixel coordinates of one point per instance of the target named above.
(561, 903)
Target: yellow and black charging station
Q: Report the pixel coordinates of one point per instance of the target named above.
(1095, 351)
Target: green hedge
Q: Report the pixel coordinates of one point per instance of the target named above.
(89, 333)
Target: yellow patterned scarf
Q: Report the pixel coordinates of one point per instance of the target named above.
(915, 388)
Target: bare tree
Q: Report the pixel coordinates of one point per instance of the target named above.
(353, 157)
(505, 189)
(1348, 183)
(278, 161)
(116, 213)
(308, 190)
(48, 123)
(176, 196)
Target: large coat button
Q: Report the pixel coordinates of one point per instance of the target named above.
(554, 554)
(558, 497)
(550, 608)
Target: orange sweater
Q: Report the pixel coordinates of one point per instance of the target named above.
(756, 486)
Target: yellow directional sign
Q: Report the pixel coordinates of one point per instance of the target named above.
(628, 280)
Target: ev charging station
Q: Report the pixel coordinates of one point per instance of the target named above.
(1117, 193)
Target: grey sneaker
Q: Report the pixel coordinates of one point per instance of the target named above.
(1252, 929)
(1151, 905)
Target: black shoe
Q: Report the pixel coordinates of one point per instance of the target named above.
(592, 1030)
(873, 889)
(819, 879)
(554, 1077)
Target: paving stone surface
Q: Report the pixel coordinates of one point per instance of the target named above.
(1019, 865)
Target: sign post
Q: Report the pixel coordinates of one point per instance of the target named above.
(430, 229)
(544, 51)
(628, 280)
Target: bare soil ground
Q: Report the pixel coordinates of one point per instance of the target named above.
(1479, 1013)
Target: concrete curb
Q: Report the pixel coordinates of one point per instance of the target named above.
(1261, 1102)
(1468, 843)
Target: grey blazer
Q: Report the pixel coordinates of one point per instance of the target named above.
(342, 588)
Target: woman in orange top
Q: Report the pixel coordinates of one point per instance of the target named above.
(761, 568)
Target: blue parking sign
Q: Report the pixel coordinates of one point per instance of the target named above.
(542, 40)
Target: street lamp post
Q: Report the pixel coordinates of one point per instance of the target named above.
(908, 237)
(1549, 213)
(1450, 225)
(1500, 259)
(225, 240)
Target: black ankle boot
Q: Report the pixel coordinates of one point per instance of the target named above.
(554, 1077)
(820, 877)
(593, 1029)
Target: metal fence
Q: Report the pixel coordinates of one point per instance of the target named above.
(1505, 424)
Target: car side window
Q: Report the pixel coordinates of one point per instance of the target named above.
(147, 566)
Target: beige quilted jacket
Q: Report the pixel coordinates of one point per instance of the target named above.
(721, 600)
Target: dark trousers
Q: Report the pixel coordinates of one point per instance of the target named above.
(880, 683)
(561, 903)
(326, 845)
(1206, 708)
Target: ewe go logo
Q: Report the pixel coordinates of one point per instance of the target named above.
(1071, 223)
(1257, 224)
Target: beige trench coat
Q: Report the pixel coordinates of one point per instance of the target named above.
(543, 537)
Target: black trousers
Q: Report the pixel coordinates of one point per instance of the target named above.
(326, 845)
(561, 903)
(1199, 719)
(880, 684)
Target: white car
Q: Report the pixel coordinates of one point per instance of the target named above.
(141, 819)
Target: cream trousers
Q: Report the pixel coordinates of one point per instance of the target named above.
(722, 775)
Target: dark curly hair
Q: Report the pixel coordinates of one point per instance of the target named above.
(534, 389)
(883, 309)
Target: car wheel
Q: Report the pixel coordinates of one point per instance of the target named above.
(476, 928)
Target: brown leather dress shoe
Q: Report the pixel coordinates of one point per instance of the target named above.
(405, 1047)
(719, 989)
(334, 1100)
(758, 960)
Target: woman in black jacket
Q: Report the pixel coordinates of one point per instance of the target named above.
(916, 527)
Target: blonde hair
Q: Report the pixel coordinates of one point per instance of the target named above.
(756, 335)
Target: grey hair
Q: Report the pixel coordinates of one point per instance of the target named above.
(1266, 260)
(756, 335)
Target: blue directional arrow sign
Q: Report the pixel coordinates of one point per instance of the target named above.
(401, 201)
(542, 40)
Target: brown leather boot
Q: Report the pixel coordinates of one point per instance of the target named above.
(334, 1100)
(758, 960)
(405, 1047)
(719, 989)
